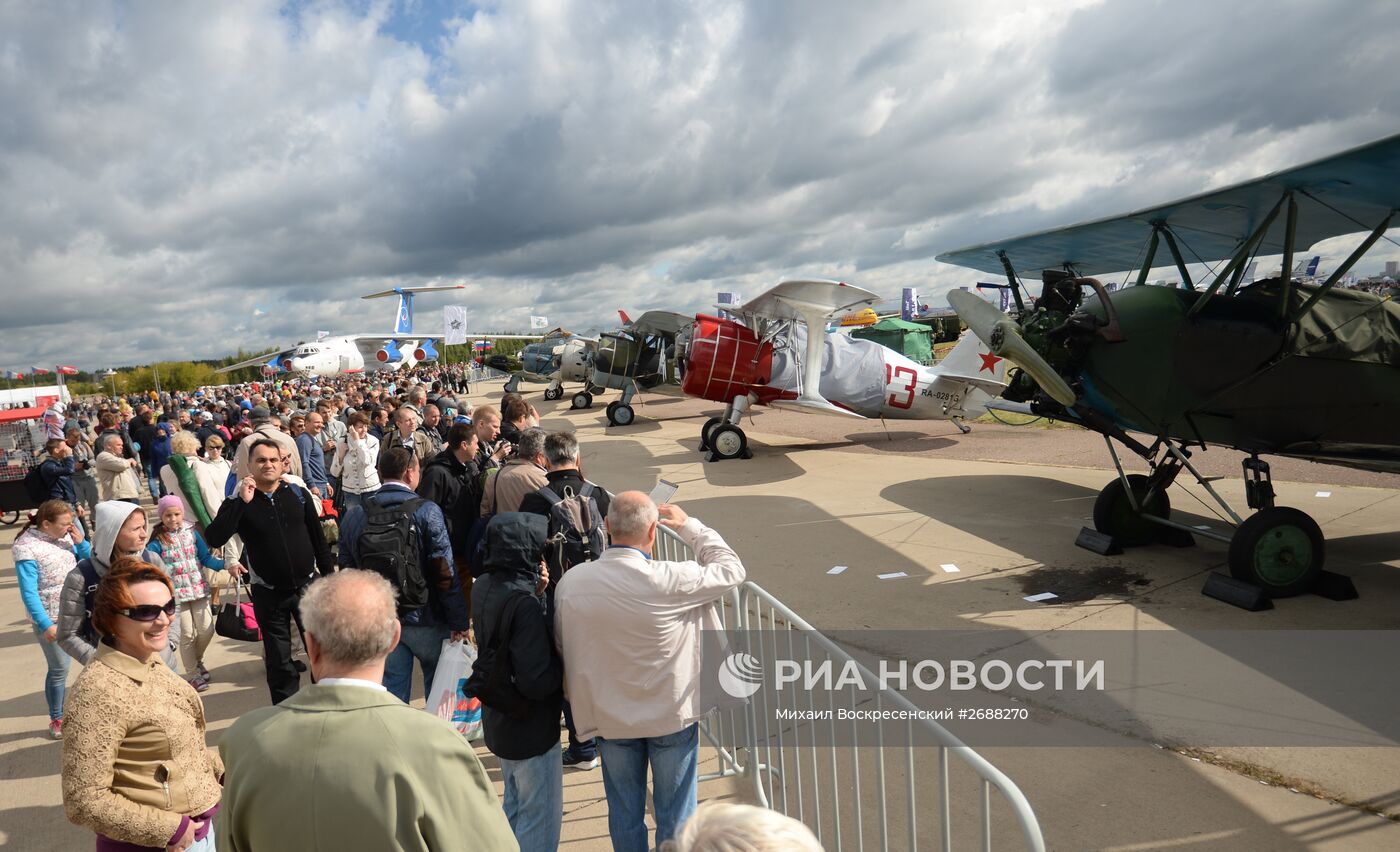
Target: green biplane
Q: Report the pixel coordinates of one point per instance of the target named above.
(1271, 367)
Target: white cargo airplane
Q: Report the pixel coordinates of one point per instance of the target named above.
(358, 353)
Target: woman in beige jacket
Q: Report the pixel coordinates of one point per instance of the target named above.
(136, 769)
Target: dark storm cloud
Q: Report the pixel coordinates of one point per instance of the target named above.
(184, 179)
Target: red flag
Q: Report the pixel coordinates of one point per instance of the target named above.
(68, 370)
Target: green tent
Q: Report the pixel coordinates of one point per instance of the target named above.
(910, 339)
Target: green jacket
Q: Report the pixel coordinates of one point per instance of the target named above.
(346, 768)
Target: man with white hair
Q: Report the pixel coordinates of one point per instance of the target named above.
(628, 628)
(301, 775)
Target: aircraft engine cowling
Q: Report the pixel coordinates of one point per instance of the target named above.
(725, 359)
(425, 352)
(574, 361)
(273, 366)
(389, 354)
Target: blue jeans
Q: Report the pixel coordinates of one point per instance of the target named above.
(420, 642)
(534, 800)
(354, 500)
(674, 760)
(56, 680)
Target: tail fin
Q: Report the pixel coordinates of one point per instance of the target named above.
(1312, 265)
(971, 359)
(626, 320)
(404, 325)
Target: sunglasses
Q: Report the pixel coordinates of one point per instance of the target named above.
(149, 612)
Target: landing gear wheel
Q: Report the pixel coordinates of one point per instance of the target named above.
(706, 429)
(728, 442)
(9, 516)
(552, 394)
(612, 406)
(1279, 549)
(1114, 515)
(582, 399)
(621, 414)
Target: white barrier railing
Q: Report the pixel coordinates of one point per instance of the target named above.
(822, 786)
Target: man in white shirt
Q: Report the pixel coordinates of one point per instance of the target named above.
(629, 629)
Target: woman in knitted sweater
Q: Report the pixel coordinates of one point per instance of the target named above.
(48, 548)
(136, 769)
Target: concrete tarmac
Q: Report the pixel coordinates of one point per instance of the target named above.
(822, 492)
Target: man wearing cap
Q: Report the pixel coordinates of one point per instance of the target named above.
(261, 419)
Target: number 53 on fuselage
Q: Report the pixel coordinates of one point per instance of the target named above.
(770, 355)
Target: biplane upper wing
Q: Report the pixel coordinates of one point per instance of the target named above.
(668, 323)
(801, 300)
(1342, 194)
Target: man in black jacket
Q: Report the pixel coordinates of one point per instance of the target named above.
(512, 590)
(283, 548)
(561, 455)
(452, 480)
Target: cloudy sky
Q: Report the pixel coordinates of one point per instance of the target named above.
(182, 179)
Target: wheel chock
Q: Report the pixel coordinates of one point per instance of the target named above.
(1246, 596)
(1335, 587)
(1100, 543)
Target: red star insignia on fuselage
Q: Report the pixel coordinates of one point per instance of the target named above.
(989, 362)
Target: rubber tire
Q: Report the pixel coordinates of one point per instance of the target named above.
(552, 394)
(621, 414)
(1281, 550)
(9, 517)
(1114, 515)
(582, 399)
(733, 437)
(612, 406)
(706, 429)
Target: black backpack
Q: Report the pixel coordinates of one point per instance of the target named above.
(493, 677)
(36, 486)
(389, 546)
(90, 581)
(575, 529)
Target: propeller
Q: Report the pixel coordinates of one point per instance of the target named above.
(1003, 337)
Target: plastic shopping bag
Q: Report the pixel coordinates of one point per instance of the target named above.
(446, 700)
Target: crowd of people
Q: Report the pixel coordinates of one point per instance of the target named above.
(374, 523)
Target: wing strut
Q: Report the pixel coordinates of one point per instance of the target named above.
(1151, 256)
(1290, 230)
(1239, 258)
(1176, 253)
(1344, 267)
(1014, 281)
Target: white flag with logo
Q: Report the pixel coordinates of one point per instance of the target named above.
(322, 335)
(539, 322)
(454, 325)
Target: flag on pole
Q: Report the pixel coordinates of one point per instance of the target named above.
(909, 304)
(322, 335)
(67, 370)
(454, 325)
(38, 371)
(539, 322)
(482, 345)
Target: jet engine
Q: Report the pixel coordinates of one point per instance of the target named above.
(425, 352)
(390, 353)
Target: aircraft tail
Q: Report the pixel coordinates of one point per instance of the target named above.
(973, 362)
(1307, 268)
(403, 323)
(626, 320)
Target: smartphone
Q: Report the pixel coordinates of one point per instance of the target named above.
(663, 492)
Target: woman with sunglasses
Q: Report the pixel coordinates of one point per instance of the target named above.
(136, 769)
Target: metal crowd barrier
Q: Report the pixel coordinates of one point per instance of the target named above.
(851, 795)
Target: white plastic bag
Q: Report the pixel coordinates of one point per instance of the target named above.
(445, 700)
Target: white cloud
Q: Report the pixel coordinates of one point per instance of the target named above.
(183, 179)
